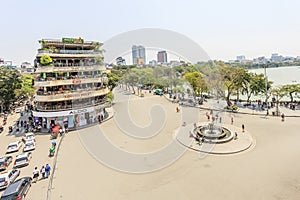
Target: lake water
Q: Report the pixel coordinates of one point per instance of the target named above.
(281, 75)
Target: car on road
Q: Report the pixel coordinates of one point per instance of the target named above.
(9, 177)
(17, 190)
(5, 161)
(22, 159)
(158, 92)
(29, 145)
(13, 147)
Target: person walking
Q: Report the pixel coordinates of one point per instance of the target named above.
(235, 135)
(243, 127)
(282, 117)
(47, 170)
(43, 171)
(35, 175)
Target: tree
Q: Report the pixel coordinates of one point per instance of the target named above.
(229, 80)
(110, 96)
(10, 80)
(26, 89)
(131, 78)
(254, 84)
(46, 60)
(278, 92)
(113, 79)
(197, 81)
(290, 90)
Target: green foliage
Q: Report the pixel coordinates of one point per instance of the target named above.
(113, 79)
(46, 60)
(197, 81)
(290, 90)
(99, 60)
(10, 81)
(26, 89)
(110, 96)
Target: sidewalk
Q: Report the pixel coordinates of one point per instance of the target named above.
(244, 110)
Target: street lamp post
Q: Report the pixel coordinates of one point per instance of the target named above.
(266, 88)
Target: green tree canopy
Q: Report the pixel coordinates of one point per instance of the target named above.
(290, 90)
(10, 80)
(46, 60)
(26, 89)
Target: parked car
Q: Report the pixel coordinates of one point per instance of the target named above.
(29, 145)
(29, 136)
(5, 161)
(13, 147)
(9, 177)
(17, 190)
(22, 159)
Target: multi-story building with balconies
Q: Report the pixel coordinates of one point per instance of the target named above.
(71, 87)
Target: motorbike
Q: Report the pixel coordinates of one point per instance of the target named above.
(51, 151)
(1, 129)
(4, 122)
(10, 129)
(53, 136)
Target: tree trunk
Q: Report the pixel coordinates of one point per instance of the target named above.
(291, 96)
(228, 98)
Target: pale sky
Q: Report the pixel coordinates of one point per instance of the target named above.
(224, 29)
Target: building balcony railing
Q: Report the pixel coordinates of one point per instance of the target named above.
(68, 91)
(51, 81)
(69, 68)
(69, 95)
(63, 51)
(49, 108)
(55, 55)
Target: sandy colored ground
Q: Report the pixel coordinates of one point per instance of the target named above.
(269, 171)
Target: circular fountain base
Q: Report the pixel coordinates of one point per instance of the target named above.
(217, 135)
(229, 144)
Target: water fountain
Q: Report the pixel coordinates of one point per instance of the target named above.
(213, 133)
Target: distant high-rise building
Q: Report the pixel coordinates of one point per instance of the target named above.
(138, 54)
(276, 58)
(162, 57)
(153, 63)
(240, 58)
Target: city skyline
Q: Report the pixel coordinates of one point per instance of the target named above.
(223, 29)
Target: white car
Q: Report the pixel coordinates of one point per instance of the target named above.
(29, 145)
(13, 147)
(22, 159)
(29, 136)
(4, 162)
(7, 178)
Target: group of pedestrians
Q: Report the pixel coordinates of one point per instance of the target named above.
(44, 171)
